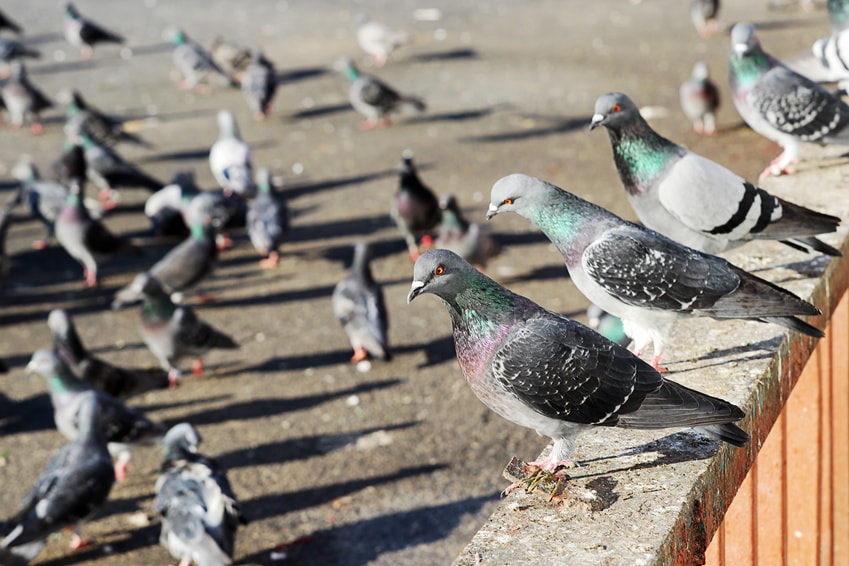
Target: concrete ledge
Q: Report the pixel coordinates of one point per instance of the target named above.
(656, 499)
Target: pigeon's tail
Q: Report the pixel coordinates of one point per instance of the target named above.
(794, 323)
(219, 340)
(415, 102)
(810, 245)
(674, 405)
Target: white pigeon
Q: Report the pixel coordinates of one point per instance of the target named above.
(378, 39)
(230, 158)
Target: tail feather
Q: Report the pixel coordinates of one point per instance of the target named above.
(415, 102)
(730, 433)
(794, 323)
(812, 244)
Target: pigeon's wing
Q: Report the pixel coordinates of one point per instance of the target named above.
(378, 93)
(125, 424)
(566, 371)
(642, 268)
(186, 264)
(197, 335)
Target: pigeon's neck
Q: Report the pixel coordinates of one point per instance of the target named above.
(454, 221)
(70, 348)
(570, 223)
(201, 231)
(64, 385)
(641, 155)
(351, 73)
(745, 71)
(158, 306)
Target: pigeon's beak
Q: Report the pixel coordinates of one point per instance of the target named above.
(596, 121)
(415, 290)
(493, 210)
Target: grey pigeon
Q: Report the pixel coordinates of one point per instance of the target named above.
(194, 63)
(544, 371)
(267, 220)
(358, 305)
(109, 171)
(372, 98)
(123, 426)
(104, 129)
(75, 482)
(172, 332)
(84, 238)
(229, 55)
(23, 100)
(8, 23)
(379, 40)
(230, 158)
(703, 14)
(640, 276)
(45, 199)
(199, 512)
(166, 206)
(414, 208)
(259, 84)
(781, 104)
(699, 98)
(467, 239)
(693, 200)
(11, 49)
(99, 374)
(83, 33)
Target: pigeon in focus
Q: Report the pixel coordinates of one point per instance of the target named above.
(693, 200)
(8, 23)
(259, 84)
(467, 239)
(544, 371)
(378, 40)
(640, 276)
(267, 220)
(373, 98)
(194, 63)
(199, 512)
(83, 118)
(781, 104)
(83, 33)
(230, 158)
(23, 100)
(172, 332)
(607, 325)
(75, 482)
(99, 374)
(703, 14)
(415, 209)
(123, 427)
(700, 100)
(359, 307)
(166, 207)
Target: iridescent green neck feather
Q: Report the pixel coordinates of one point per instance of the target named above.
(641, 155)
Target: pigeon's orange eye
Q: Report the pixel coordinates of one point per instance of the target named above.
(616, 108)
(439, 270)
(507, 201)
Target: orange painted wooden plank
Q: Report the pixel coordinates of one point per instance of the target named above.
(739, 525)
(824, 481)
(839, 395)
(712, 554)
(769, 478)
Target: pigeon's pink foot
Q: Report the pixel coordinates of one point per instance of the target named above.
(223, 242)
(655, 363)
(77, 542)
(201, 88)
(206, 298)
(185, 85)
(197, 366)
(414, 254)
(360, 354)
(107, 198)
(260, 116)
(699, 128)
(271, 261)
(89, 277)
(39, 244)
(36, 128)
(383, 123)
(781, 165)
(549, 465)
(426, 242)
(173, 378)
(121, 471)
(366, 125)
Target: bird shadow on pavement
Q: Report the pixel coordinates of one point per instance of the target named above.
(786, 24)
(457, 116)
(29, 415)
(39, 38)
(296, 75)
(457, 54)
(317, 112)
(188, 403)
(152, 48)
(743, 353)
(296, 190)
(272, 298)
(555, 126)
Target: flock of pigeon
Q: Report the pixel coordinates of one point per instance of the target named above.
(532, 366)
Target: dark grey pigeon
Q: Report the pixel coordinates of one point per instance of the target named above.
(23, 100)
(75, 482)
(779, 103)
(544, 371)
(268, 220)
(199, 512)
(123, 426)
(372, 98)
(194, 63)
(415, 209)
(173, 332)
(644, 278)
(358, 305)
(467, 239)
(693, 200)
(11, 49)
(699, 97)
(259, 84)
(83, 118)
(83, 33)
(99, 374)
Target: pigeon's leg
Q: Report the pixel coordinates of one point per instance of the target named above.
(259, 116)
(223, 241)
(781, 165)
(383, 122)
(108, 198)
(36, 128)
(699, 127)
(185, 84)
(197, 366)
(78, 542)
(86, 51)
(655, 362)
(173, 377)
(271, 261)
(201, 88)
(380, 60)
(360, 354)
(709, 124)
(121, 466)
(426, 242)
(549, 464)
(368, 124)
(39, 244)
(89, 277)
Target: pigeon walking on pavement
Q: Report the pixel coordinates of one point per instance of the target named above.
(104, 129)
(699, 98)
(194, 63)
(415, 208)
(268, 220)
(83, 33)
(693, 200)
(199, 511)
(703, 14)
(379, 40)
(640, 276)
(259, 84)
(544, 371)
(23, 100)
(230, 158)
(372, 98)
(74, 483)
(45, 199)
(780, 104)
(359, 307)
(467, 239)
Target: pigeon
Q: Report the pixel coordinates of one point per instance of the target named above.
(45, 199)
(640, 276)
(693, 200)
(267, 220)
(23, 100)
(165, 207)
(467, 239)
(102, 128)
(194, 63)
(373, 98)
(358, 305)
(415, 209)
(123, 427)
(378, 40)
(99, 374)
(7, 23)
(109, 171)
(259, 84)
(85, 238)
(84, 33)
(607, 325)
(544, 371)
(75, 482)
(230, 56)
(230, 158)
(199, 512)
(172, 332)
(703, 15)
(700, 100)
(781, 104)
(11, 49)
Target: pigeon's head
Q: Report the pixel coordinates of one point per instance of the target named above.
(175, 35)
(439, 272)
(515, 193)
(58, 322)
(612, 110)
(448, 202)
(44, 362)
(71, 11)
(180, 440)
(743, 40)
(700, 71)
